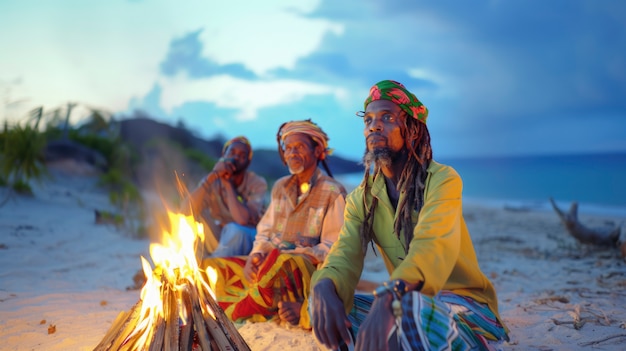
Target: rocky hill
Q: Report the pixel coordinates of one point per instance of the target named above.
(152, 139)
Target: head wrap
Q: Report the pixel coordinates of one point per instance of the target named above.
(307, 127)
(239, 139)
(398, 94)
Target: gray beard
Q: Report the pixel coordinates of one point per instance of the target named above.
(297, 170)
(378, 158)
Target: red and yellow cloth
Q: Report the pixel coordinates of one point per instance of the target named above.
(282, 277)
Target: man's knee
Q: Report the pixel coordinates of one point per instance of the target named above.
(234, 231)
(235, 241)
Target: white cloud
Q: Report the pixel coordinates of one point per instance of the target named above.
(264, 38)
(105, 53)
(246, 96)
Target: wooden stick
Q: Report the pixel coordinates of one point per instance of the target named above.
(595, 342)
(119, 326)
(151, 337)
(186, 333)
(170, 309)
(598, 236)
(156, 343)
(198, 320)
(135, 340)
(222, 342)
(225, 324)
(144, 337)
(113, 331)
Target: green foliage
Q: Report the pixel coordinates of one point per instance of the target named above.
(22, 158)
(22, 187)
(123, 193)
(22, 155)
(107, 217)
(104, 145)
(121, 161)
(98, 124)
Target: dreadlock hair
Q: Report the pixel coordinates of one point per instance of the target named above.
(411, 183)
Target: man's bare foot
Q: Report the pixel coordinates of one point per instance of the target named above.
(289, 311)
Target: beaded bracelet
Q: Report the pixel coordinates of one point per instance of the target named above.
(397, 287)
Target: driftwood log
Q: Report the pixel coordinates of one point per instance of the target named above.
(605, 236)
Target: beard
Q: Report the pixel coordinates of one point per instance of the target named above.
(296, 169)
(240, 167)
(379, 157)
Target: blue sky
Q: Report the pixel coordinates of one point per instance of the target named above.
(499, 77)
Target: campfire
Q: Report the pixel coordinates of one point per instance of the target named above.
(177, 308)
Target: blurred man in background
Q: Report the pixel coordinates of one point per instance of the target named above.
(229, 201)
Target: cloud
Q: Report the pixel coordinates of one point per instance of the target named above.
(518, 66)
(247, 97)
(264, 36)
(108, 53)
(185, 56)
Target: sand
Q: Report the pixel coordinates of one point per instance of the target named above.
(64, 279)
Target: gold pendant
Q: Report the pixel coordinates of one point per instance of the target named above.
(304, 188)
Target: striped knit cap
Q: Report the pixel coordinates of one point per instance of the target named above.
(307, 127)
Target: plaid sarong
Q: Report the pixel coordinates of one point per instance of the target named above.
(282, 277)
(444, 322)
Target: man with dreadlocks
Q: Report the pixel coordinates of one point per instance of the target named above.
(293, 237)
(410, 207)
(229, 201)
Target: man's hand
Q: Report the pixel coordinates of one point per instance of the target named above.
(330, 323)
(252, 266)
(224, 167)
(373, 332)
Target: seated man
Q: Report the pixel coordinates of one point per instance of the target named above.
(411, 208)
(229, 201)
(293, 237)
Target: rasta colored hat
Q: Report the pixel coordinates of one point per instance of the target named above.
(399, 95)
(239, 139)
(307, 127)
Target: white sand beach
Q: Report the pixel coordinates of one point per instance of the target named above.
(63, 278)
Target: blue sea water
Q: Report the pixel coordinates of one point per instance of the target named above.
(596, 181)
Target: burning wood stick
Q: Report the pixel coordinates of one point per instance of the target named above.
(170, 309)
(124, 321)
(225, 324)
(156, 344)
(176, 305)
(198, 319)
(186, 332)
(221, 339)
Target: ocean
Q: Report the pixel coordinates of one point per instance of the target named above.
(596, 181)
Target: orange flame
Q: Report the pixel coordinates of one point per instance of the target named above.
(176, 265)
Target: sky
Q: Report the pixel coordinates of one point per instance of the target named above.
(510, 77)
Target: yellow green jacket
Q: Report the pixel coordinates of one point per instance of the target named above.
(441, 253)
